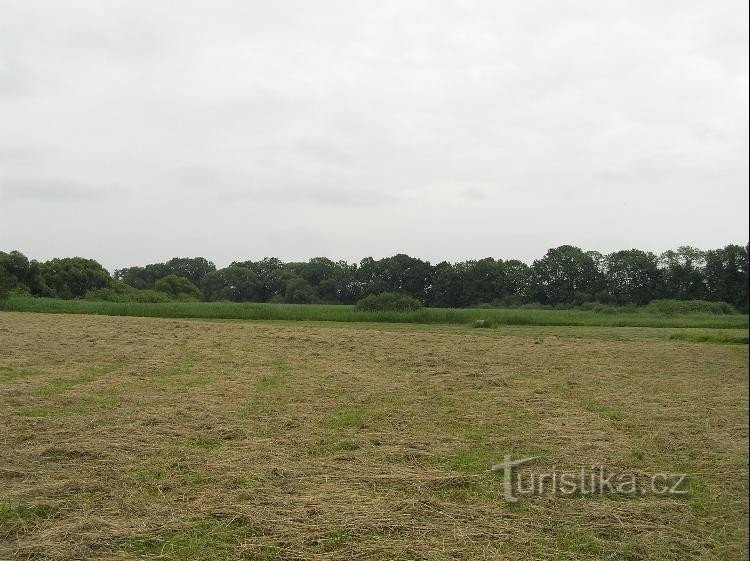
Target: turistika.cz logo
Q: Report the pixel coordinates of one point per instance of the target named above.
(590, 480)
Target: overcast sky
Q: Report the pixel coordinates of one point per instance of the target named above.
(134, 131)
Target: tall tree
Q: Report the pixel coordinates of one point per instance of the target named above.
(238, 284)
(72, 277)
(683, 272)
(633, 276)
(192, 268)
(726, 273)
(484, 281)
(272, 274)
(447, 286)
(517, 281)
(566, 274)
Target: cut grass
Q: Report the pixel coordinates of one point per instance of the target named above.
(208, 538)
(724, 338)
(20, 517)
(342, 313)
(333, 442)
(61, 385)
(11, 373)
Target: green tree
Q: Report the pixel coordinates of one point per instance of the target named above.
(7, 282)
(726, 274)
(633, 276)
(447, 286)
(517, 281)
(299, 291)
(566, 274)
(683, 273)
(272, 275)
(178, 287)
(13, 269)
(142, 278)
(332, 280)
(72, 277)
(483, 281)
(400, 273)
(238, 284)
(192, 268)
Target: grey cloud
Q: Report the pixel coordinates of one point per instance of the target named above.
(416, 124)
(48, 191)
(474, 194)
(320, 189)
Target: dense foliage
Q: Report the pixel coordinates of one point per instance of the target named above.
(388, 302)
(564, 276)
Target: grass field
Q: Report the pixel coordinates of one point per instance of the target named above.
(341, 313)
(148, 438)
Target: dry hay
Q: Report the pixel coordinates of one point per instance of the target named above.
(126, 438)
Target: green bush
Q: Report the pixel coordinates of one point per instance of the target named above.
(121, 292)
(148, 297)
(678, 307)
(388, 302)
(179, 288)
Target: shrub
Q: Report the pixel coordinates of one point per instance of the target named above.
(179, 288)
(388, 302)
(148, 297)
(598, 308)
(677, 307)
(605, 297)
(508, 301)
(121, 292)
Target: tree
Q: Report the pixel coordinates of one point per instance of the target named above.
(299, 291)
(566, 274)
(726, 274)
(370, 277)
(683, 273)
(400, 273)
(271, 273)
(332, 280)
(517, 281)
(72, 277)
(484, 281)
(447, 286)
(7, 282)
(178, 287)
(238, 284)
(143, 278)
(633, 276)
(13, 270)
(192, 268)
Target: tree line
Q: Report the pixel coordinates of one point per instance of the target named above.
(565, 275)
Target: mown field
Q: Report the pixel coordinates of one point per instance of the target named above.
(639, 317)
(173, 439)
